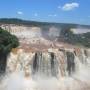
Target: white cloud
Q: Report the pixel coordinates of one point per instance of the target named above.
(52, 15)
(19, 13)
(35, 14)
(70, 6)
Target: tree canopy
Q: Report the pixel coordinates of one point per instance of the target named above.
(7, 41)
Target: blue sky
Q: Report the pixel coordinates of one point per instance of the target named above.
(66, 11)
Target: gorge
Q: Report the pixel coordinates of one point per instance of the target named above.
(46, 59)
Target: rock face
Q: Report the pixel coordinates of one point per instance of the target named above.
(29, 32)
(23, 31)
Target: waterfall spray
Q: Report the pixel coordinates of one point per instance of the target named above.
(55, 70)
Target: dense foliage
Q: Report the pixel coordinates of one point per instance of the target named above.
(7, 41)
(76, 39)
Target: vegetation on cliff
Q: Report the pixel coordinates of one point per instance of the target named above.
(7, 42)
(75, 39)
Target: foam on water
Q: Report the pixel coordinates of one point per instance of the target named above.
(21, 77)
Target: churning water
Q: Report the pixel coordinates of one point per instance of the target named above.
(51, 70)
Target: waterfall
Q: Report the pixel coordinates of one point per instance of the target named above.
(63, 69)
(59, 63)
(45, 64)
(70, 62)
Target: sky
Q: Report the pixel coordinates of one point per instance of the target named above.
(63, 11)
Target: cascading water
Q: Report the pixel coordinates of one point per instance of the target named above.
(61, 69)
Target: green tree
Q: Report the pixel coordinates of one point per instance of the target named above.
(7, 42)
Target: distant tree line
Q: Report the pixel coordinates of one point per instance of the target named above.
(37, 23)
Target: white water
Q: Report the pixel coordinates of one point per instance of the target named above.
(20, 74)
